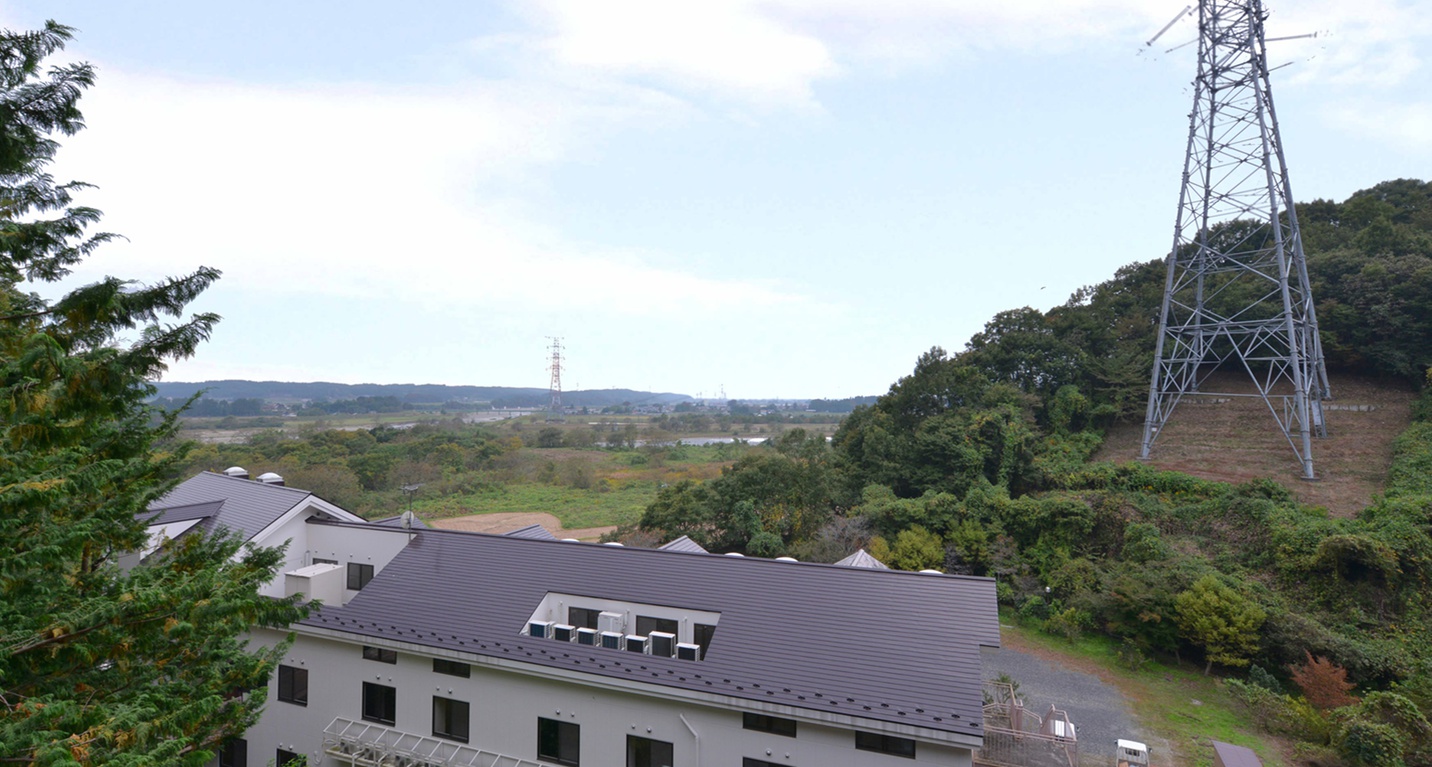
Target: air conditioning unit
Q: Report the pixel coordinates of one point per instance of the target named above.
(611, 640)
(540, 629)
(686, 651)
(587, 637)
(614, 622)
(636, 643)
(662, 643)
(563, 632)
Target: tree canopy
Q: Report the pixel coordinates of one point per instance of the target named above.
(100, 666)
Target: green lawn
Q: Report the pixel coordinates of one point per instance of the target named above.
(576, 508)
(1160, 696)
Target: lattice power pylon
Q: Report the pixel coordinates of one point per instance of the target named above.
(556, 367)
(1237, 293)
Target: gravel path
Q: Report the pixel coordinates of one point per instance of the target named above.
(1098, 711)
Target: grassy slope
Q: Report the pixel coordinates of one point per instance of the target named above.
(1237, 441)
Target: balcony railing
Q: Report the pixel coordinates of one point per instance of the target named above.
(364, 744)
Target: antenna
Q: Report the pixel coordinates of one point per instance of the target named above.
(555, 407)
(1237, 295)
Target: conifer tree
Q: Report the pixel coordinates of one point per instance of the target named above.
(99, 666)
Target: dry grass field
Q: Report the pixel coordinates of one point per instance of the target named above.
(1237, 440)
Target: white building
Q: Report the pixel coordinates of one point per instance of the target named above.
(455, 648)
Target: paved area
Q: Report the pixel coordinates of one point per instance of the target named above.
(1098, 711)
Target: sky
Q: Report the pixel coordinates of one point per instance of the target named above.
(761, 198)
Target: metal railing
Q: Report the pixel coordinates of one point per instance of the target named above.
(364, 744)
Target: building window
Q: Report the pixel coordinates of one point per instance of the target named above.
(290, 759)
(645, 625)
(885, 744)
(749, 762)
(234, 753)
(379, 654)
(322, 561)
(293, 685)
(645, 752)
(772, 724)
(359, 575)
(583, 617)
(455, 668)
(450, 718)
(380, 703)
(559, 742)
(702, 633)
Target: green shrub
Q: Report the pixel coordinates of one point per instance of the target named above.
(1370, 743)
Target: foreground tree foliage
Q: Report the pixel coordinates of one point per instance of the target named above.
(98, 666)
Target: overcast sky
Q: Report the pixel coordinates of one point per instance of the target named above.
(785, 198)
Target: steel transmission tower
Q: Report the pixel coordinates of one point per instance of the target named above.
(1237, 293)
(556, 368)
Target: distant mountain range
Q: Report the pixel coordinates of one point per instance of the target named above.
(499, 396)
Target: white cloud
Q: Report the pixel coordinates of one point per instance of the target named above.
(1405, 126)
(429, 197)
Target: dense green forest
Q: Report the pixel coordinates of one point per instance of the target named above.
(977, 462)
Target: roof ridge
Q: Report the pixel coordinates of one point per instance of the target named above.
(256, 482)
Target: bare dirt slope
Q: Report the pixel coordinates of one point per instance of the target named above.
(1236, 440)
(506, 522)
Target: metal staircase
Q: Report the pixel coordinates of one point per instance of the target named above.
(364, 744)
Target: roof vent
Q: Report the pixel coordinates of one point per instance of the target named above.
(787, 559)
(570, 540)
(270, 478)
(611, 543)
(237, 472)
(932, 572)
(734, 554)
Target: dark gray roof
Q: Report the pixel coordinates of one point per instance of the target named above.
(883, 644)
(684, 543)
(181, 513)
(532, 531)
(862, 558)
(397, 521)
(1230, 755)
(247, 507)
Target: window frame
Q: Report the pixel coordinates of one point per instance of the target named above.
(389, 701)
(572, 613)
(747, 761)
(557, 729)
(293, 758)
(452, 668)
(702, 634)
(290, 679)
(380, 654)
(362, 575)
(645, 624)
(450, 708)
(234, 752)
(652, 757)
(880, 743)
(775, 725)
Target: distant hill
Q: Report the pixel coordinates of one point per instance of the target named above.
(500, 396)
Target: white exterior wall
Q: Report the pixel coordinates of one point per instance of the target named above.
(505, 706)
(372, 545)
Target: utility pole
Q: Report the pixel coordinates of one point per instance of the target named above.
(1237, 295)
(555, 407)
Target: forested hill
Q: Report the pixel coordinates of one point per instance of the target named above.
(498, 396)
(979, 462)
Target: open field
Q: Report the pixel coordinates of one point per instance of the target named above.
(506, 522)
(1237, 440)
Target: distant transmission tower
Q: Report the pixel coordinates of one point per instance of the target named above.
(556, 406)
(1237, 293)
